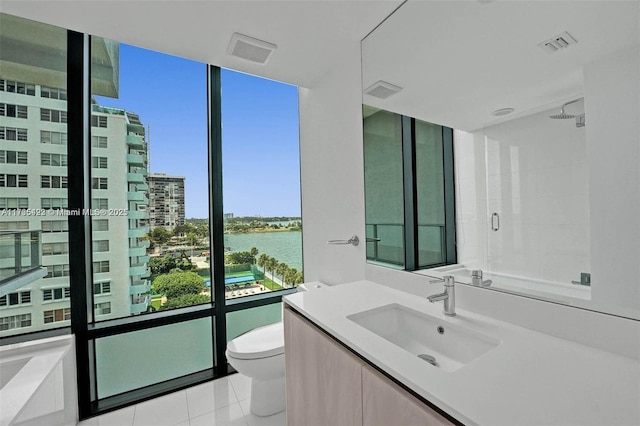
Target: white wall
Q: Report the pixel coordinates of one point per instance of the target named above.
(612, 90)
(332, 173)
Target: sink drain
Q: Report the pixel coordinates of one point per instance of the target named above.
(429, 358)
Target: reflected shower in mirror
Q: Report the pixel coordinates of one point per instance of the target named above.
(530, 181)
(547, 190)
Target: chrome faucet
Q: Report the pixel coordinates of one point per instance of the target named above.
(448, 296)
(476, 279)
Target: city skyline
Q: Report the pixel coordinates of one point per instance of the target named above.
(260, 157)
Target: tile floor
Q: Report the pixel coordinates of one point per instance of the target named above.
(222, 402)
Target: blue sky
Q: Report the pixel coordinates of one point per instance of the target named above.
(261, 171)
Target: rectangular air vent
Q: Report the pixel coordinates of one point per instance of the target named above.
(382, 89)
(559, 42)
(250, 48)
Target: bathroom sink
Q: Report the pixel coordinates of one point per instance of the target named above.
(437, 342)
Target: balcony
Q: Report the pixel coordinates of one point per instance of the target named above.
(139, 270)
(139, 196)
(107, 110)
(136, 177)
(141, 306)
(136, 142)
(142, 187)
(137, 251)
(136, 160)
(140, 287)
(138, 214)
(141, 243)
(144, 258)
(20, 259)
(138, 232)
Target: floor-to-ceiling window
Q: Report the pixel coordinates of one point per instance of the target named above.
(261, 197)
(145, 260)
(149, 170)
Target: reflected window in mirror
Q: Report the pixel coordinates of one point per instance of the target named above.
(409, 198)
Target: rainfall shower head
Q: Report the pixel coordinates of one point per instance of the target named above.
(563, 115)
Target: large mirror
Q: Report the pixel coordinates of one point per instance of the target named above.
(543, 101)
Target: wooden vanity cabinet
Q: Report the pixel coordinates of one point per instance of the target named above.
(323, 379)
(328, 385)
(385, 403)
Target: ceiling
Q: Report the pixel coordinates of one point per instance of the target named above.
(312, 36)
(457, 61)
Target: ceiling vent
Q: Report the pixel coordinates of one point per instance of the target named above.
(250, 48)
(559, 42)
(382, 89)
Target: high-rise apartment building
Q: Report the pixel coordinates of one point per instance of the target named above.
(166, 200)
(34, 197)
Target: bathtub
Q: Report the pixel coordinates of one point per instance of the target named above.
(37, 383)
(516, 284)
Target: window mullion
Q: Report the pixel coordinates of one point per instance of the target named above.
(216, 220)
(78, 113)
(449, 195)
(410, 196)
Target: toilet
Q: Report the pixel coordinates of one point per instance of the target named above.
(259, 355)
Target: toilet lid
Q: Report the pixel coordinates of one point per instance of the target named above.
(261, 342)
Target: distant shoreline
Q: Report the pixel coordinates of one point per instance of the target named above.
(262, 231)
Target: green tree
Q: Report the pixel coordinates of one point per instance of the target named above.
(184, 265)
(271, 265)
(290, 276)
(177, 284)
(202, 231)
(281, 269)
(240, 257)
(159, 235)
(299, 278)
(192, 240)
(262, 261)
(254, 253)
(162, 265)
(185, 300)
(182, 230)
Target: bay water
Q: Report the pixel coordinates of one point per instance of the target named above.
(286, 247)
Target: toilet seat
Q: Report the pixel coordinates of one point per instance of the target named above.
(262, 342)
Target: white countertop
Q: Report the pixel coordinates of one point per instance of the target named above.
(529, 378)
